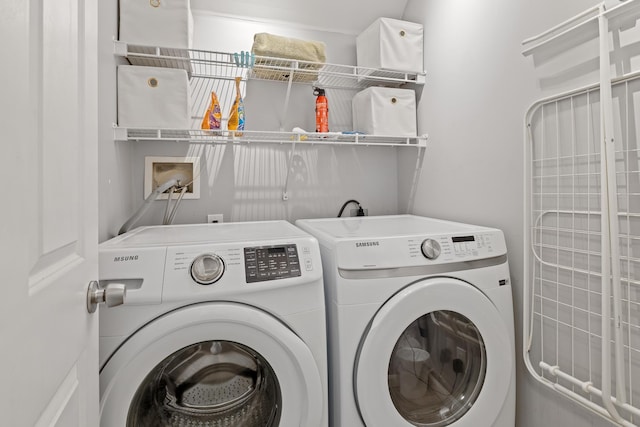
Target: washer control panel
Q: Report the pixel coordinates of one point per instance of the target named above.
(271, 262)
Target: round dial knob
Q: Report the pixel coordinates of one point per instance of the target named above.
(207, 269)
(430, 249)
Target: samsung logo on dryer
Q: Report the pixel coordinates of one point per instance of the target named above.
(366, 244)
(125, 258)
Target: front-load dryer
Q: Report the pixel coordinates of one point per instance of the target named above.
(420, 322)
(223, 325)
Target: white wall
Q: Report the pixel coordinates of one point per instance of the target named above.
(114, 158)
(246, 183)
(478, 89)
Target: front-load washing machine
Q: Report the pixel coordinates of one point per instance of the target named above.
(223, 325)
(420, 322)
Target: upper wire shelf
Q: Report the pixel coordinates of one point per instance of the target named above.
(222, 65)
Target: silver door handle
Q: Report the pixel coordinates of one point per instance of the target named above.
(112, 295)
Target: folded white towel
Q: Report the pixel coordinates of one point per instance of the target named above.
(273, 46)
(265, 44)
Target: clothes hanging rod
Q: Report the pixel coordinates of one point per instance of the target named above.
(581, 27)
(563, 26)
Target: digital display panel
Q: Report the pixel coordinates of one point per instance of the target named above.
(460, 239)
(271, 263)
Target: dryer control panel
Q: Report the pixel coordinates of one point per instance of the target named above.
(467, 247)
(472, 245)
(419, 250)
(271, 262)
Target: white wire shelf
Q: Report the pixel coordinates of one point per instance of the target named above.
(216, 72)
(223, 65)
(197, 136)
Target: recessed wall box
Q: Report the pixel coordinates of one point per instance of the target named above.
(186, 170)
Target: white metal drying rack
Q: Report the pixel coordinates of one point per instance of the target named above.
(553, 239)
(216, 71)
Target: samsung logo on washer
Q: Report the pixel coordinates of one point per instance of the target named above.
(125, 258)
(365, 244)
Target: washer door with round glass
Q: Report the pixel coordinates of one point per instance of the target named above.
(209, 365)
(436, 354)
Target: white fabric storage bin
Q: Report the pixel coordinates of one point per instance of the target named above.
(164, 23)
(391, 44)
(385, 111)
(151, 97)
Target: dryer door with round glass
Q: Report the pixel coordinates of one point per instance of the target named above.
(212, 364)
(437, 353)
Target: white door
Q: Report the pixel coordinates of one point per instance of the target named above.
(48, 213)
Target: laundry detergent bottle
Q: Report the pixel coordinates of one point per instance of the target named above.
(322, 110)
(236, 115)
(213, 116)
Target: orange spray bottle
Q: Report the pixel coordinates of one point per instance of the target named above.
(322, 110)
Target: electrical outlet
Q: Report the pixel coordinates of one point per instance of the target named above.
(215, 218)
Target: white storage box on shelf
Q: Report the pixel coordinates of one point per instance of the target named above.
(391, 44)
(385, 111)
(166, 23)
(152, 97)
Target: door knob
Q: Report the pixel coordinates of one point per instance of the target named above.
(112, 295)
